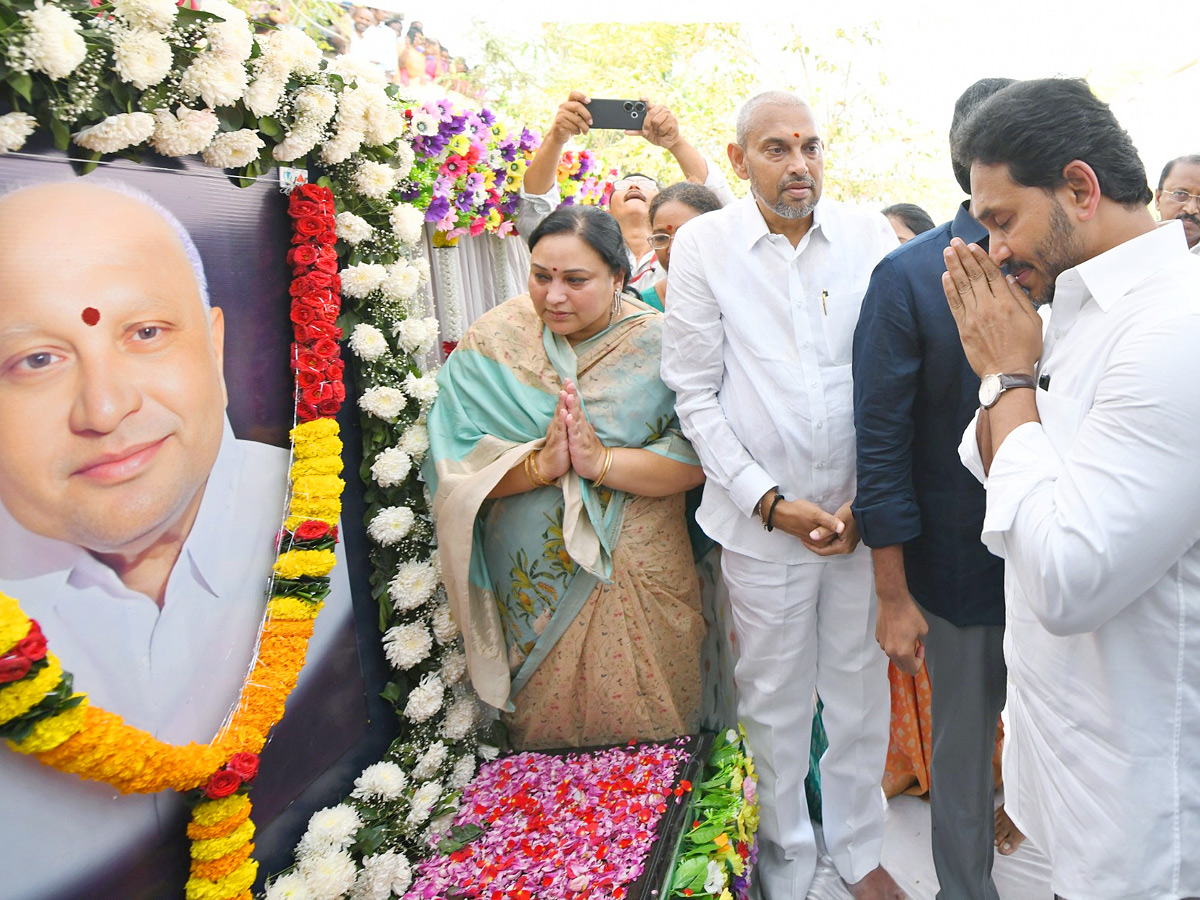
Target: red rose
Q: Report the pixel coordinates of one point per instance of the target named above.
(318, 278)
(33, 645)
(13, 668)
(339, 391)
(334, 369)
(303, 255)
(307, 360)
(306, 378)
(304, 412)
(311, 395)
(322, 329)
(299, 209)
(301, 286)
(325, 348)
(448, 347)
(328, 266)
(244, 765)
(328, 236)
(302, 314)
(329, 407)
(315, 192)
(311, 530)
(302, 334)
(222, 784)
(309, 226)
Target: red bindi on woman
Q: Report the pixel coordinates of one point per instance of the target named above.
(91, 316)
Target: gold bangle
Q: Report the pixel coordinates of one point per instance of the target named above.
(533, 473)
(608, 458)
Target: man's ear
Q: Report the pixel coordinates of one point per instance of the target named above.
(737, 159)
(1082, 189)
(216, 328)
(1157, 199)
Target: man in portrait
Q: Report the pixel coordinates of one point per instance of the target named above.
(1178, 196)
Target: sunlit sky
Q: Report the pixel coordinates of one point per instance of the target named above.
(1142, 56)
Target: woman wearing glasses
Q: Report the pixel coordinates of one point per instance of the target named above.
(558, 471)
(672, 207)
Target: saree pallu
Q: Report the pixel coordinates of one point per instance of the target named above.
(579, 606)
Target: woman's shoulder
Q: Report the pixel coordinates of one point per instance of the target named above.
(515, 317)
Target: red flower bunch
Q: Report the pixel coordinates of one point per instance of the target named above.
(15, 664)
(241, 769)
(316, 302)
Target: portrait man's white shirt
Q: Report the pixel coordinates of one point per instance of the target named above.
(1096, 509)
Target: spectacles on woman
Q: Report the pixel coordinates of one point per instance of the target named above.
(660, 241)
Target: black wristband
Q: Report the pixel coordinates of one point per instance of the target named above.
(769, 524)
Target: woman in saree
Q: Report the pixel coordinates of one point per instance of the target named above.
(558, 475)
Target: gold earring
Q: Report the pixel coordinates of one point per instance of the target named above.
(616, 307)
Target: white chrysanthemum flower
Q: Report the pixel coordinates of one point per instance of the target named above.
(297, 144)
(366, 341)
(459, 720)
(53, 45)
(421, 265)
(444, 627)
(415, 440)
(383, 780)
(435, 556)
(374, 180)
(391, 525)
(351, 69)
(330, 875)
(231, 37)
(391, 467)
(383, 876)
(334, 825)
(463, 771)
(384, 123)
(294, 51)
(265, 92)
(353, 229)
(157, 15)
(15, 129)
(140, 56)
(403, 161)
(408, 644)
(431, 762)
(422, 802)
(417, 335)
(422, 388)
(289, 887)
(116, 132)
(360, 280)
(454, 666)
(315, 102)
(233, 149)
(183, 133)
(424, 700)
(383, 402)
(487, 752)
(402, 281)
(342, 146)
(412, 586)
(424, 124)
(215, 79)
(408, 223)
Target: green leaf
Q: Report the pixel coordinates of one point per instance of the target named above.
(230, 117)
(22, 83)
(368, 840)
(459, 837)
(688, 870)
(60, 132)
(705, 834)
(392, 693)
(270, 127)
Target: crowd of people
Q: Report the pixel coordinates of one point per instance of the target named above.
(888, 470)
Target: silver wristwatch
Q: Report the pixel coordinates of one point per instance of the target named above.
(992, 386)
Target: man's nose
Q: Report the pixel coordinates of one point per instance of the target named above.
(1192, 204)
(105, 394)
(998, 251)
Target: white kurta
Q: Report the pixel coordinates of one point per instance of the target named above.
(1096, 510)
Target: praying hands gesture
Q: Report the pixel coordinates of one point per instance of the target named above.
(571, 442)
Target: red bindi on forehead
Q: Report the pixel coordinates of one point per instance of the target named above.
(90, 316)
(795, 134)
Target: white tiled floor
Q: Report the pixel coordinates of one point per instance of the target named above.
(1023, 876)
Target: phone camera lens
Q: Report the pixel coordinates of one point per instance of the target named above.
(628, 106)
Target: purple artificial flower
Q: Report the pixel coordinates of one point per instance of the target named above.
(487, 116)
(508, 149)
(529, 140)
(410, 192)
(438, 207)
(464, 200)
(475, 181)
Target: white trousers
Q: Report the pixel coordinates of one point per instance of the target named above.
(798, 628)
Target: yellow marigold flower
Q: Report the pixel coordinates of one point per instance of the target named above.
(215, 848)
(320, 465)
(314, 429)
(293, 608)
(14, 624)
(227, 888)
(49, 733)
(221, 827)
(330, 445)
(317, 487)
(210, 812)
(325, 510)
(18, 697)
(297, 563)
(220, 868)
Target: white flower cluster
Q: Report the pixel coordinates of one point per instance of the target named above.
(353, 229)
(381, 781)
(408, 222)
(417, 336)
(218, 73)
(444, 627)
(431, 762)
(415, 441)
(424, 701)
(407, 644)
(352, 69)
(288, 887)
(366, 341)
(422, 802)
(423, 123)
(150, 15)
(403, 161)
(422, 388)
(283, 53)
(383, 402)
(233, 149)
(15, 129)
(314, 107)
(365, 116)
(463, 771)
(332, 828)
(328, 875)
(141, 56)
(391, 467)
(52, 44)
(383, 876)
(360, 280)
(116, 132)
(391, 525)
(402, 281)
(460, 718)
(374, 180)
(454, 666)
(412, 586)
(184, 132)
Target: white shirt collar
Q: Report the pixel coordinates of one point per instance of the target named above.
(1111, 275)
(754, 226)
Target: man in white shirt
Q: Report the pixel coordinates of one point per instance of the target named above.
(765, 295)
(1093, 491)
(373, 42)
(631, 195)
(1178, 196)
(134, 528)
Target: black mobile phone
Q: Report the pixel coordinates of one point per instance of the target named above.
(625, 115)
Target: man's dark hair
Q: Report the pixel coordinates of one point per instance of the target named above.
(1037, 127)
(1192, 159)
(914, 218)
(963, 107)
(595, 227)
(697, 196)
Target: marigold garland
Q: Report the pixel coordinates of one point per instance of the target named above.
(45, 719)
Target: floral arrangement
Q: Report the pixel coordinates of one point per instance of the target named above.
(40, 714)
(718, 853)
(582, 178)
(578, 825)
